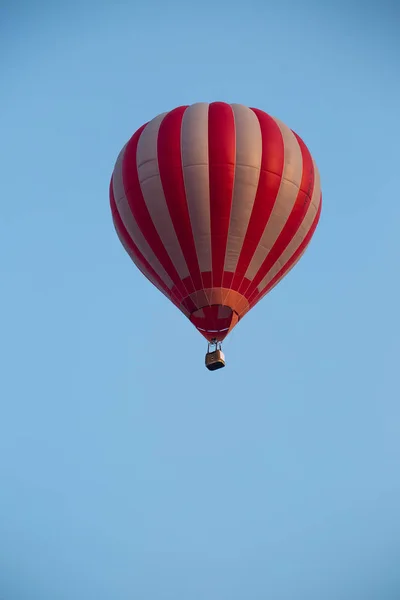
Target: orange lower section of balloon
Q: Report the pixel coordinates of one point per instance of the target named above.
(215, 311)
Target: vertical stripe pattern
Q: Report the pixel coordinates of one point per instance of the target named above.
(215, 204)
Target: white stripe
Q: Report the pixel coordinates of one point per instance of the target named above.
(117, 182)
(288, 271)
(287, 194)
(247, 175)
(276, 282)
(149, 276)
(130, 223)
(153, 194)
(136, 261)
(300, 234)
(194, 147)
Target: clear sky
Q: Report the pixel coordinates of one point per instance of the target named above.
(127, 470)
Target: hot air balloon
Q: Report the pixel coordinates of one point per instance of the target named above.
(215, 203)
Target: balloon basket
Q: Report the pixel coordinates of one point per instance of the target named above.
(215, 358)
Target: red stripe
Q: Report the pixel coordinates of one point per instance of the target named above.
(144, 264)
(140, 211)
(189, 304)
(171, 173)
(207, 279)
(221, 158)
(272, 162)
(294, 220)
(308, 178)
(258, 295)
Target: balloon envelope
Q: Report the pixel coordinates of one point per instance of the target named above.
(215, 203)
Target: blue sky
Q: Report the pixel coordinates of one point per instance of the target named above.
(128, 470)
